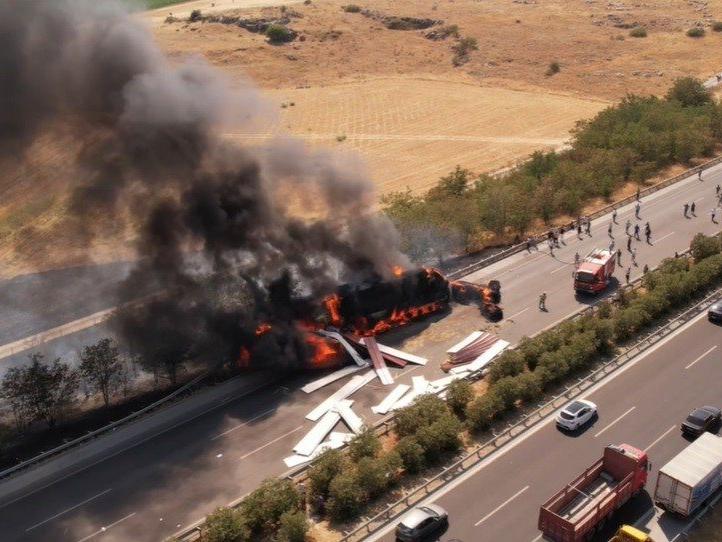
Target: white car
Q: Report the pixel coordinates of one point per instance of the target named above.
(576, 414)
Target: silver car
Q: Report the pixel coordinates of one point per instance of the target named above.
(421, 522)
(576, 414)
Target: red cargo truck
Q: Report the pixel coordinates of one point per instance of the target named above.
(595, 272)
(577, 511)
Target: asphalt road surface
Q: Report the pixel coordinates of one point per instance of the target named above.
(643, 406)
(151, 490)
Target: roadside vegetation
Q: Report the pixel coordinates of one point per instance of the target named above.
(342, 485)
(628, 142)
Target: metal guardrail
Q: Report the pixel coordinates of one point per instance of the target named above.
(98, 432)
(484, 450)
(514, 249)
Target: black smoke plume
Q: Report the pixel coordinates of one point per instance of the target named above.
(216, 238)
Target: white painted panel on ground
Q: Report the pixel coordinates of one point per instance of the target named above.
(420, 384)
(384, 406)
(464, 343)
(338, 436)
(353, 385)
(333, 377)
(350, 349)
(296, 460)
(315, 436)
(411, 358)
(351, 419)
(483, 360)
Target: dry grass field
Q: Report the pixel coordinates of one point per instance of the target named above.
(412, 130)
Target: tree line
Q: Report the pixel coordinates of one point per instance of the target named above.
(628, 142)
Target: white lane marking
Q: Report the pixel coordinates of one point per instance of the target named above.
(565, 266)
(663, 237)
(517, 314)
(502, 505)
(259, 416)
(51, 518)
(271, 442)
(615, 421)
(702, 356)
(541, 425)
(104, 529)
(660, 437)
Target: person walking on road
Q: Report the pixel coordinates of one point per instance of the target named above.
(634, 257)
(588, 226)
(576, 259)
(714, 215)
(686, 209)
(579, 229)
(637, 193)
(611, 246)
(717, 189)
(609, 230)
(619, 256)
(648, 232)
(645, 269)
(614, 216)
(627, 225)
(699, 174)
(637, 208)
(629, 244)
(551, 247)
(627, 273)
(543, 302)
(636, 232)
(692, 207)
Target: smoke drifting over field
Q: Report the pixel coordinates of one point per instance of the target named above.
(215, 236)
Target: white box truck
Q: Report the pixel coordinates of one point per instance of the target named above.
(691, 476)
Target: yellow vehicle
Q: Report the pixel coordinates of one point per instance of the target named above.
(627, 533)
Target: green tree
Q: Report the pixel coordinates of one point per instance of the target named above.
(102, 370)
(293, 527)
(689, 91)
(323, 470)
(264, 507)
(366, 444)
(346, 496)
(455, 183)
(225, 525)
(277, 33)
(412, 454)
(40, 391)
(423, 412)
(703, 246)
(458, 395)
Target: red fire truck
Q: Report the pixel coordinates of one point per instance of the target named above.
(595, 272)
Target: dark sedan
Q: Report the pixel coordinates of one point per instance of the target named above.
(714, 314)
(700, 420)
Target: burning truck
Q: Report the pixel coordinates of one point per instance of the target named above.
(375, 306)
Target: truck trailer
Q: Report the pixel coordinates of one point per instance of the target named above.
(578, 510)
(691, 477)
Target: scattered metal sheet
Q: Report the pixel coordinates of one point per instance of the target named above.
(484, 359)
(442, 383)
(419, 384)
(333, 377)
(378, 361)
(347, 389)
(337, 436)
(401, 354)
(458, 347)
(296, 460)
(397, 393)
(419, 387)
(350, 349)
(349, 417)
(315, 436)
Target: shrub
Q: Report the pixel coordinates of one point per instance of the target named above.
(293, 527)
(346, 497)
(717, 26)
(277, 33)
(529, 387)
(458, 395)
(264, 507)
(689, 91)
(629, 321)
(462, 49)
(323, 470)
(411, 453)
(195, 15)
(366, 444)
(482, 411)
(638, 32)
(510, 363)
(352, 8)
(703, 246)
(507, 390)
(372, 476)
(695, 32)
(225, 525)
(554, 68)
(423, 412)
(439, 437)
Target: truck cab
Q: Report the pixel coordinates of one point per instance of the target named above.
(594, 273)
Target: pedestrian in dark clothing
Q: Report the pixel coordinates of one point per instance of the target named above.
(676, 254)
(637, 193)
(717, 189)
(648, 233)
(692, 208)
(579, 229)
(645, 269)
(629, 244)
(686, 209)
(714, 215)
(627, 273)
(634, 257)
(528, 244)
(614, 216)
(619, 256)
(627, 225)
(699, 174)
(609, 230)
(588, 225)
(637, 208)
(636, 232)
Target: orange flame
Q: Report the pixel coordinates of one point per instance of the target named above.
(262, 328)
(401, 317)
(397, 270)
(325, 353)
(333, 307)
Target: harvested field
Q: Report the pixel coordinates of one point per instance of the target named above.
(412, 130)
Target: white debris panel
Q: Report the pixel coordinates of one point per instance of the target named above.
(411, 358)
(333, 377)
(378, 361)
(349, 417)
(384, 406)
(296, 460)
(470, 348)
(484, 359)
(442, 383)
(350, 349)
(353, 385)
(419, 387)
(315, 436)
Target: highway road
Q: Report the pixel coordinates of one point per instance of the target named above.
(643, 406)
(150, 490)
